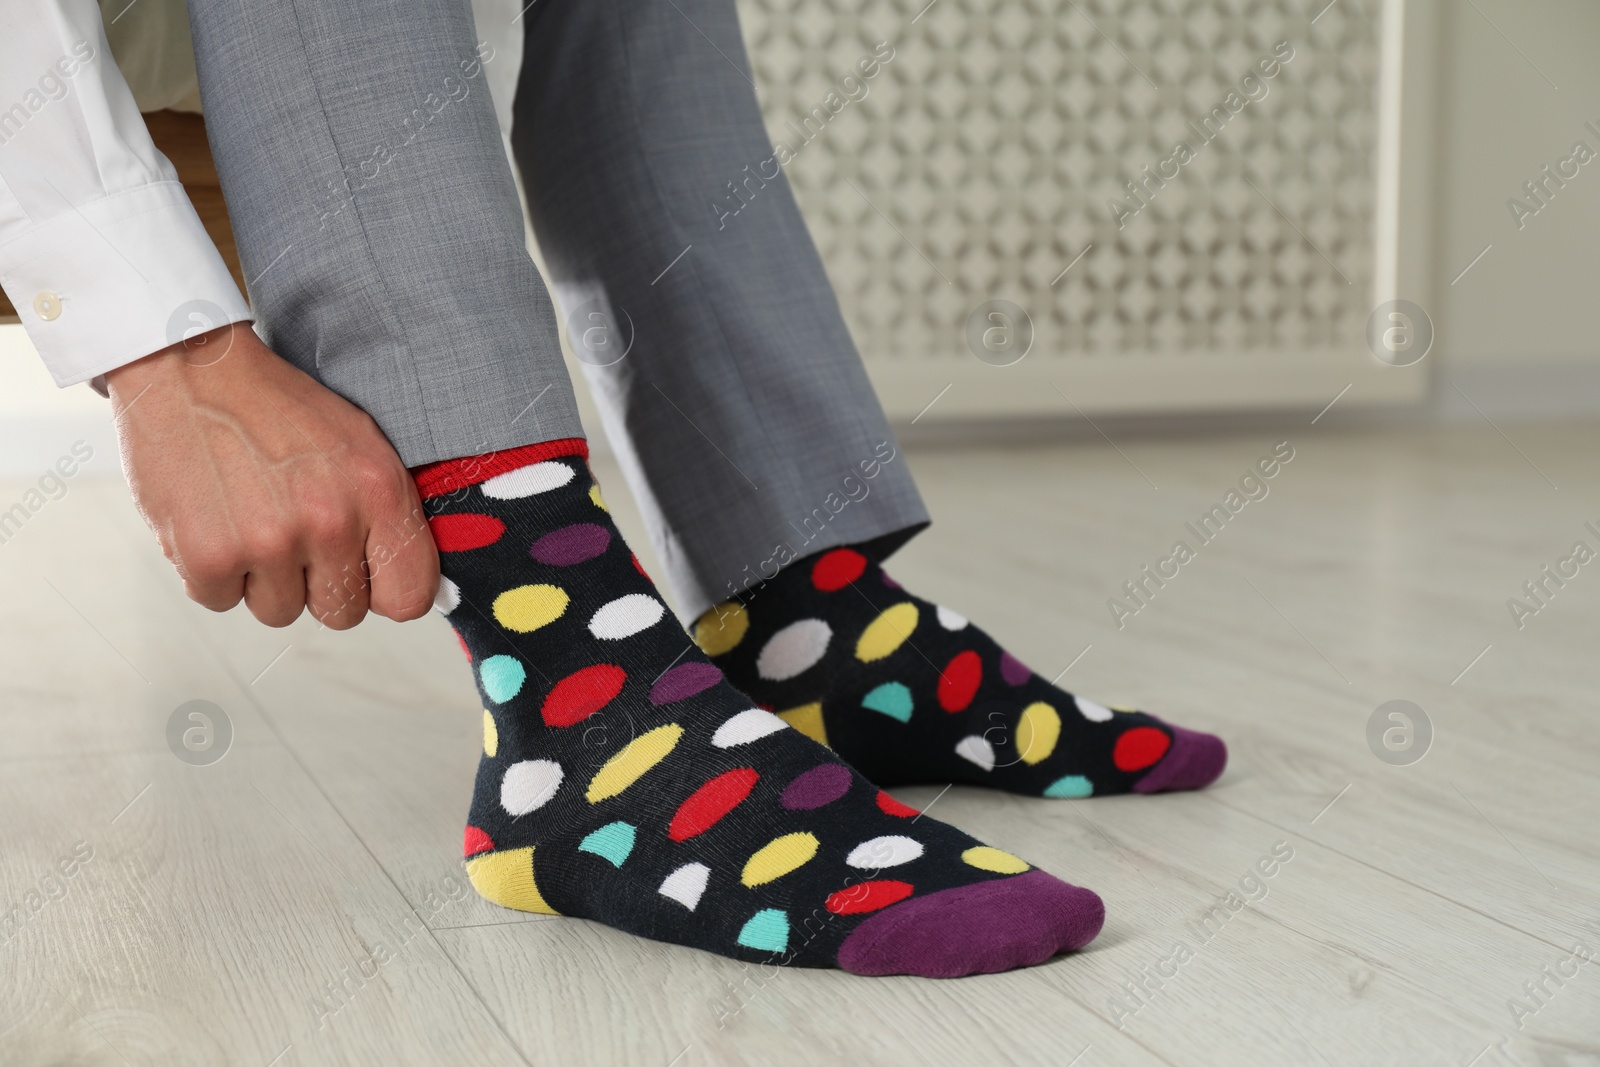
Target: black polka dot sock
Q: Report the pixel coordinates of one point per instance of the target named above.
(911, 693)
(624, 780)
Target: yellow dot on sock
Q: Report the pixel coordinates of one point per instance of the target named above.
(778, 857)
(632, 760)
(594, 494)
(528, 607)
(722, 628)
(491, 735)
(1037, 732)
(992, 859)
(807, 718)
(506, 879)
(887, 632)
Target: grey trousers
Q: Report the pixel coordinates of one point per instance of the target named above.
(382, 239)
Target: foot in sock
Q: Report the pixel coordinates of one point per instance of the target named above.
(911, 692)
(624, 780)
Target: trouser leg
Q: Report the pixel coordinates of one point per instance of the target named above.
(377, 219)
(741, 412)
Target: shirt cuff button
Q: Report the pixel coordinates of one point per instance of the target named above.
(47, 306)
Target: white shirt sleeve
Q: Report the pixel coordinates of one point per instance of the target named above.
(101, 252)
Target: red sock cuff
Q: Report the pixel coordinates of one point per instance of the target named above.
(451, 475)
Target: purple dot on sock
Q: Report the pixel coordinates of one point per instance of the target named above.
(817, 787)
(888, 581)
(684, 681)
(1013, 670)
(571, 544)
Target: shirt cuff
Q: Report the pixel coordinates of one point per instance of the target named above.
(116, 280)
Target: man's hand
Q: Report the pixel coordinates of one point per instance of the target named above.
(261, 484)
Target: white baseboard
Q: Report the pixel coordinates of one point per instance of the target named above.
(39, 423)
(1544, 391)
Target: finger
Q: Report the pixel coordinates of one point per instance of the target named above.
(209, 580)
(337, 590)
(275, 593)
(217, 596)
(403, 562)
(336, 576)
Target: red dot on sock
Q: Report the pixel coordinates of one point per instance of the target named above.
(582, 693)
(464, 649)
(1139, 748)
(868, 896)
(890, 806)
(637, 565)
(958, 682)
(461, 533)
(711, 802)
(837, 569)
(475, 841)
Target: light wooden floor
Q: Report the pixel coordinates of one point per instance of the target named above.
(212, 912)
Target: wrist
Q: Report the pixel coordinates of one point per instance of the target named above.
(199, 351)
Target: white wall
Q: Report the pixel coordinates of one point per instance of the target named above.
(1518, 333)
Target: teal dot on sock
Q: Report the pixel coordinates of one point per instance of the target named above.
(1073, 785)
(767, 931)
(613, 841)
(502, 677)
(891, 698)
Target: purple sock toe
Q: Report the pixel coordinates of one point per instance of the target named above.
(990, 926)
(1194, 762)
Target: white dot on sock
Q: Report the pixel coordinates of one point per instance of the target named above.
(976, 750)
(528, 481)
(889, 851)
(626, 616)
(793, 649)
(448, 598)
(1092, 711)
(686, 884)
(529, 785)
(747, 726)
(951, 620)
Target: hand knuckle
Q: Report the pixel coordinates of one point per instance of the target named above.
(209, 564)
(208, 598)
(377, 480)
(270, 541)
(341, 592)
(329, 522)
